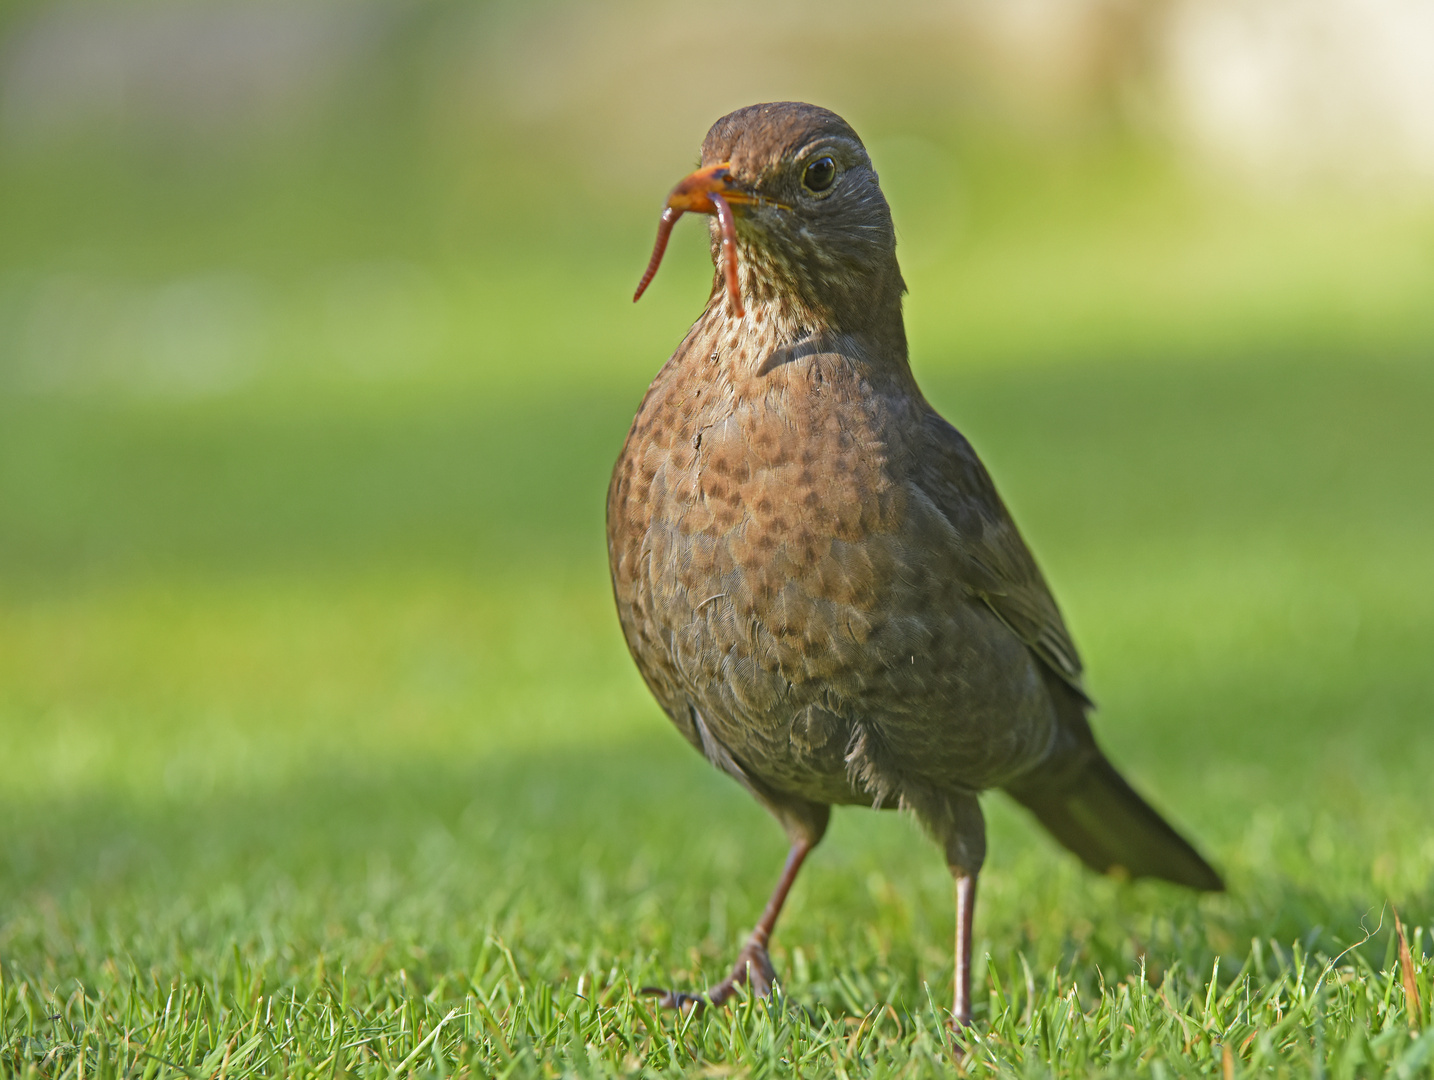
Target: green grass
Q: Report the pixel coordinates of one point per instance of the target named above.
(318, 728)
(320, 750)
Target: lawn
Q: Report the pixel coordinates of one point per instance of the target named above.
(323, 756)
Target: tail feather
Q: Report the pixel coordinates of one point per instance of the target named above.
(1096, 814)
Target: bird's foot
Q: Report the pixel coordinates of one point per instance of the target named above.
(959, 1028)
(753, 967)
(675, 999)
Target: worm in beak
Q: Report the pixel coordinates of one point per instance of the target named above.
(706, 191)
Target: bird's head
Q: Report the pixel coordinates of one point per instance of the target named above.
(799, 218)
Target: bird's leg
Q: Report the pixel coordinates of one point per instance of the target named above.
(964, 829)
(753, 966)
(965, 913)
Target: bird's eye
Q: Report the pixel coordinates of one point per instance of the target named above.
(819, 174)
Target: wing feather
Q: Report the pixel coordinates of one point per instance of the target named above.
(998, 565)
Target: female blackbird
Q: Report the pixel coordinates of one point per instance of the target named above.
(813, 570)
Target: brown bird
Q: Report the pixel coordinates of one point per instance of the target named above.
(812, 568)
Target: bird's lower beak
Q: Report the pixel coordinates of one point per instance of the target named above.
(707, 191)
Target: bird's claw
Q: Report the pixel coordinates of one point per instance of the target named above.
(674, 999)
(753, 967)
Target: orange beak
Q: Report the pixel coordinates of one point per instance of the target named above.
(706, 191)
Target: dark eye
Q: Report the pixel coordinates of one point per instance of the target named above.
(819, 174)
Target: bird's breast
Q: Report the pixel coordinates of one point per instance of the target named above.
(754, 528)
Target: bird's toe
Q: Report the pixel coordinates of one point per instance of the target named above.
(674, 999)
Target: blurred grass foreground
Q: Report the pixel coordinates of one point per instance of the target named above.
(316, 725)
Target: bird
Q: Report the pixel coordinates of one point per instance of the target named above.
(813, 570)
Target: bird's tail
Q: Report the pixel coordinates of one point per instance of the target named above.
(1090, 808)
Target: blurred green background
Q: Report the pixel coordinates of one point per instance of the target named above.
(316, 348)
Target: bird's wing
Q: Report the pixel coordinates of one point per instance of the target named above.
(993, 558)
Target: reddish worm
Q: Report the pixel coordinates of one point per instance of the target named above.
(728, 226)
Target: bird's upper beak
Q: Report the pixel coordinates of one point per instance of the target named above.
(694, 191)
(709, 190)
